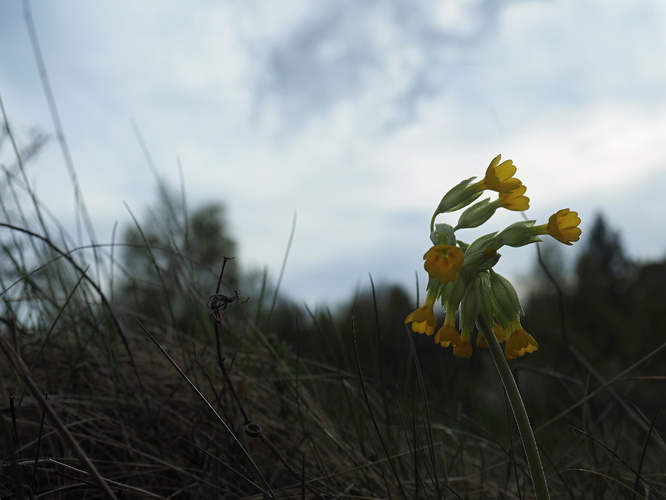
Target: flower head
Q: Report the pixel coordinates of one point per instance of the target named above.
(423, 320)
(499, 177)
(461, 275)
(563, 226)
(443, 262)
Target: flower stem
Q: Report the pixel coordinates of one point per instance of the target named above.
(519, 412)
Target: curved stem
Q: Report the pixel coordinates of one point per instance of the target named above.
(519, 412)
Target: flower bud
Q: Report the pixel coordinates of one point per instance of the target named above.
(470, 306)
(443, 235)
(458, 197)
(487, 309)
(453, 294)
(481, 254)
(505, 297)
(477, 214)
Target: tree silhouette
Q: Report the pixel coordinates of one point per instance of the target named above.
(601, 303)
(172, 259)
(614, 306)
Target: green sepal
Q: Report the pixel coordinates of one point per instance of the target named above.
(475, 260)
(477, 214)
(518, 234)
(443, 235)
(470, 305)
(457, 197)
(505, 296)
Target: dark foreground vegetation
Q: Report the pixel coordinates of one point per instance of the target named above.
(117, 381)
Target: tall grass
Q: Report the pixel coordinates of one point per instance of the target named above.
(104, 399)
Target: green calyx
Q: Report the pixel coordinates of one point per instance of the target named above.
(477, 214)
(518, 234)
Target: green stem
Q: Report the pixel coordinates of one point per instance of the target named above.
(519, 412)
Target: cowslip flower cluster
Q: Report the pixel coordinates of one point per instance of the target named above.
(461, 275)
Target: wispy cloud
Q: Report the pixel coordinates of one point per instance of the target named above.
(386, 56)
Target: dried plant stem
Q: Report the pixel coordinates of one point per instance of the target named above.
(519, 412)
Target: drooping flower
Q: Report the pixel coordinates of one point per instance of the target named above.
(463, 349)
(499, 334)
(518, 342)
(443, 262)
(423, 320)
(448, 334)
(514, 200)
(499, 177)
(563, 226)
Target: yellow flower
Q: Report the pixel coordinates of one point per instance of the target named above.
(448, 334)
(514, 200)
(563, 226)
(499, 177)
(519, 342)
(423, 320)
(499, 334)
(443, 262)
(463, 349)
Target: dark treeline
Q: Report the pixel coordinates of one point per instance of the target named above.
(592, 322)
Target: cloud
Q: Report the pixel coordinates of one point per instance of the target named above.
(572, 91)
(567, 55)
(387, 56)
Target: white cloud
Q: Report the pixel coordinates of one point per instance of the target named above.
(390, 55)
(357, 116)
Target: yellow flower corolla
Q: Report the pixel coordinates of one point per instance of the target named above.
(514, 200)
(563, 226)
(463, 349)
(423, 320)
(499, 334)
(518, 342)
(448, 334)
(499, 177)
(443, 262)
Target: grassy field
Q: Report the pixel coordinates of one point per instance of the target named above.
(118, 381)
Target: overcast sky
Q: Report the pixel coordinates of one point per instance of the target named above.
(355, 115)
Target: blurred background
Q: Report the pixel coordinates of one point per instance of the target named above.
(345, 120)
